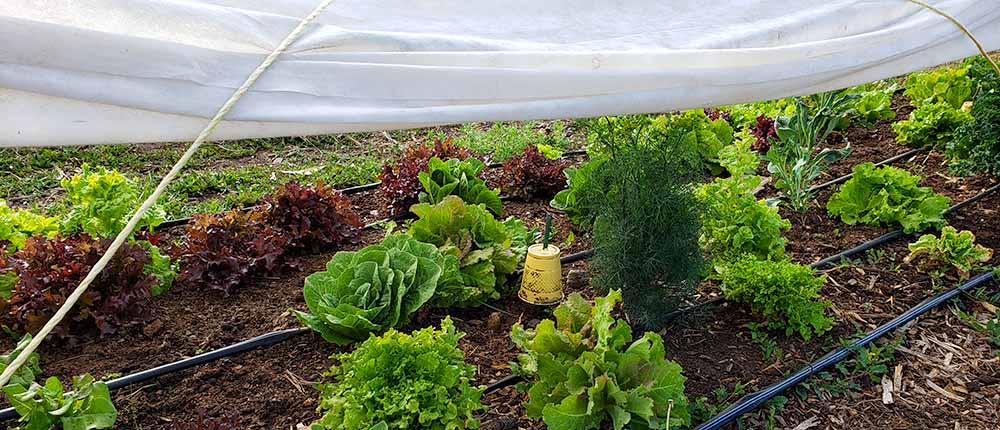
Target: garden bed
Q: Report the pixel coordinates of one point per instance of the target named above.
(271, 387)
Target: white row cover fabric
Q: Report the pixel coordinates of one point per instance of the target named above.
(113, 71)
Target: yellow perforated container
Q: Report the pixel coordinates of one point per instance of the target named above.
(542, 281)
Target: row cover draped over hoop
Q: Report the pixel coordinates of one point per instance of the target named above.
(110, 71)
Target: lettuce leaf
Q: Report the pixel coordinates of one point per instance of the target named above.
(102, 202)
(371, 290)
(736, 223)
(950, 85)
(584, 371)
(931, 125)
(402, 381)
(459, 178)
(953, 249)
(582, 194)
(888, 195)
(486, 251)
(17, 225)
(784, 292)
(88, 406)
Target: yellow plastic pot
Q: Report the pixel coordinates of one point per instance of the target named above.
(542, 280)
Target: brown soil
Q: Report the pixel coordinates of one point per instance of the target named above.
(271, 388)
(938, 349)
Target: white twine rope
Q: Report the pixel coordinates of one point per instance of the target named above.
(127, 231)
(965, 30)
(175, 170)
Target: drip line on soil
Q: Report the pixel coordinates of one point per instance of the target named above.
(753, 400)
(263, 340)
(848, 176)
(280, 336)
(871, 244)
(351, 190)
(892, 235)
(145, 375)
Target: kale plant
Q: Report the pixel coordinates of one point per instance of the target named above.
(976, 144)
(982, 73)
(793, 159)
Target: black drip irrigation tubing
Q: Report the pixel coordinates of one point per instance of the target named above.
(264, 340)
(848, 176)
(276, 337)
(754, 400)
(350, 190)
(840, 256)
(892, 235)
(145, 375)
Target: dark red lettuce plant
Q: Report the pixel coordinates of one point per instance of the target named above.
(49, 269)
(714, 114)
(764, 131)
(223, 251)
(400, 184)
(532, 175)
(312, 217)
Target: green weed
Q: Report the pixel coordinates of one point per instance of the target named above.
(505, 140)
(767, 345)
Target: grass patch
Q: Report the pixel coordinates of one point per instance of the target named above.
(228, 174)
(504, 140)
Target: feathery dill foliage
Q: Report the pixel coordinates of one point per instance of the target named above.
(646, 232)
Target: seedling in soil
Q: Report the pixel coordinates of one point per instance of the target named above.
(824, 385)
(703, 409)
(110, 376)
(875, 256)
(759, 336)
(846, 262)
(568, 242)
(982, 294)
(874, 360)
(772, 408)
(990, 327)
